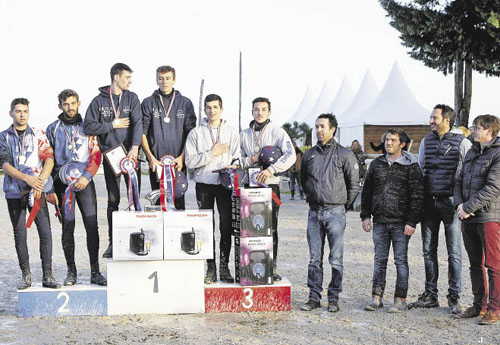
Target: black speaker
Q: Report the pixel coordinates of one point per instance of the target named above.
(138, 243)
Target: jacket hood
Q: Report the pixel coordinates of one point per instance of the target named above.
(157, 92)
(104, 91)
(204, 122)
(406, 158)
(493, 144)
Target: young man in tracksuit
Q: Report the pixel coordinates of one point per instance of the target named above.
(263, 132)
(115, 117)
(27, 160)
(477, 201)
(213, 145)
(72, 147)
(330, 180)
(393, 195)
(167, 119)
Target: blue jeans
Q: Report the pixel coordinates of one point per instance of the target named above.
(321, 223)
(383, 235)
(437, 211)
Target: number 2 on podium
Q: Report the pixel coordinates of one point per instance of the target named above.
(155, 285)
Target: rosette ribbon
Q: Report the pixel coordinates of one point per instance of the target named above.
(167, 183)
(128, 166)
(273, 194)
(69, 174)
(34, 203)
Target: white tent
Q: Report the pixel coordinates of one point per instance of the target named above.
(343, 97)
(304, 106)
(320, 106)
(366, 95)
(395, 106)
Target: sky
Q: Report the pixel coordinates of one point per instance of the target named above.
(287, 45)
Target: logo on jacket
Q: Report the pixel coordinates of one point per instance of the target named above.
(180, 114)
(126, 109)
(156, 113)
(105, 111)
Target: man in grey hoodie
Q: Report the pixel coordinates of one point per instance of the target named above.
(213, 145)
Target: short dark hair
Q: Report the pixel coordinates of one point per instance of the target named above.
(331, 119)
(402, 135)
(17, 101)
(165, 69)
(447, 112)
(118, 68)
(212, 97)
(489, 121)
(65, 94)
(262, 99)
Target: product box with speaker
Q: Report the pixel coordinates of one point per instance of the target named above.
(137, 235)
(255, 212)
(254, 260)
(188, 234)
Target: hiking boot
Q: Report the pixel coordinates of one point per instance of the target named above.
(70, 276)
(96, 277)
(310, 305)
(375, 304)
(454, 305)
(225, 275)
(489, 319)
(211, 275)
(333, 306)
(276, 275)
(48, 280)
(26, 279)
(398, 306)
(425, 300)
(470, 313)
(108, 253)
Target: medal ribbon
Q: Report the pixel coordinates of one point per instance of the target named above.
(22, 146)
(35, 204)
(116, 113)
(255, 139)
(167, 180)
(167, 112)
(218, 133)
(71, 141)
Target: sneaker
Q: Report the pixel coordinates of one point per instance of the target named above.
(292, 198)
(471, 312)
(98, 279)
(211, 275)
(425, 300)
(108, 253)
(70, 278)
(398, 306)
(310, 305)
(225, 275)
(454, 305)
(489, 319)
(375, 304)
(333, 306)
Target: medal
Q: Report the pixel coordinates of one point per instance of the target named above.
(256, 140)
(70, 147)
(256, 149)
(167, 119)
(22, 159)
(167, 111)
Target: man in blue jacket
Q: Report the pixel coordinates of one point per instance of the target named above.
(167, 119)
(115, 117)
(330, 180)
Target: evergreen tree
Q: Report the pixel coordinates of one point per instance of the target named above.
(451, 36)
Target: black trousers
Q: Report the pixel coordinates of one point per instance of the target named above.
(17, 212)
(207, 195)
(87, 203)
(179, 203)
(276, 210)
(113, 188)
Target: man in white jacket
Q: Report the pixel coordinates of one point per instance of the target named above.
(262, 132)
(213, 145)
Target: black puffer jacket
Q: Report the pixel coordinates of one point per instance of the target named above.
(478, 185)
(329, 175)
(393, 193)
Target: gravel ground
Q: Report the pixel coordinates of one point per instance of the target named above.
(352, 325)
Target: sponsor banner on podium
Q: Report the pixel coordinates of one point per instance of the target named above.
(188, 234)
(137, 235)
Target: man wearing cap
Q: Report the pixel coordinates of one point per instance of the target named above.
(115, 117)
(213, 145)
(263, 132)
(27, 160)
(77, 158)
(167, 119)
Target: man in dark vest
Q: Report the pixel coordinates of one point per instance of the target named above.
(441, 156)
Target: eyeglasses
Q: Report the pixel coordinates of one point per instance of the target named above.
(475, 128)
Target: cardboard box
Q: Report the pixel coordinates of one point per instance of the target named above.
(256, 213)
(254, 260)
(188, 234)
(137, 235)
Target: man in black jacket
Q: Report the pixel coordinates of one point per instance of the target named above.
(167, 119)
(330, 180)
(393, 194)
(477, 200)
